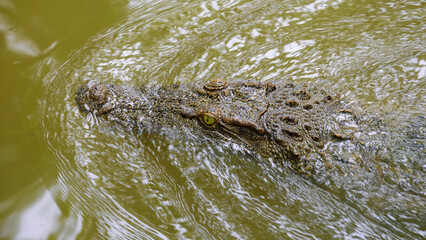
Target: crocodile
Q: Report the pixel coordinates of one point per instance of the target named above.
(304, 127)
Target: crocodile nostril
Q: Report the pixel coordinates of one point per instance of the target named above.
(98, 93)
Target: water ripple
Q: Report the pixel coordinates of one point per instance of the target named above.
(118, 185)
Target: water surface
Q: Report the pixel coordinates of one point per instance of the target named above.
(103, 182)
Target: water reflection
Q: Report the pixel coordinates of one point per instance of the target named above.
(37, 220)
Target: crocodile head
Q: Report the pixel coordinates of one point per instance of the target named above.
(281, 122)
(93, 98)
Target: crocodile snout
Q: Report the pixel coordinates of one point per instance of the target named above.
(92, 98)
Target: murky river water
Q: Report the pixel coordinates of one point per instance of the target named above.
(68, 175)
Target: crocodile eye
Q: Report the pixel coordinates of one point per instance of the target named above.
(208, 119)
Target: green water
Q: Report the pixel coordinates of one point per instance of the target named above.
(65, 175)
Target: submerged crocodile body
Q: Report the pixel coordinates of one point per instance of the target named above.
(304, 127)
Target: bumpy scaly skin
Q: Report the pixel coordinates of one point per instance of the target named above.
(283, 122)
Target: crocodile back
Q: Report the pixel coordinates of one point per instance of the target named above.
(298, 117)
